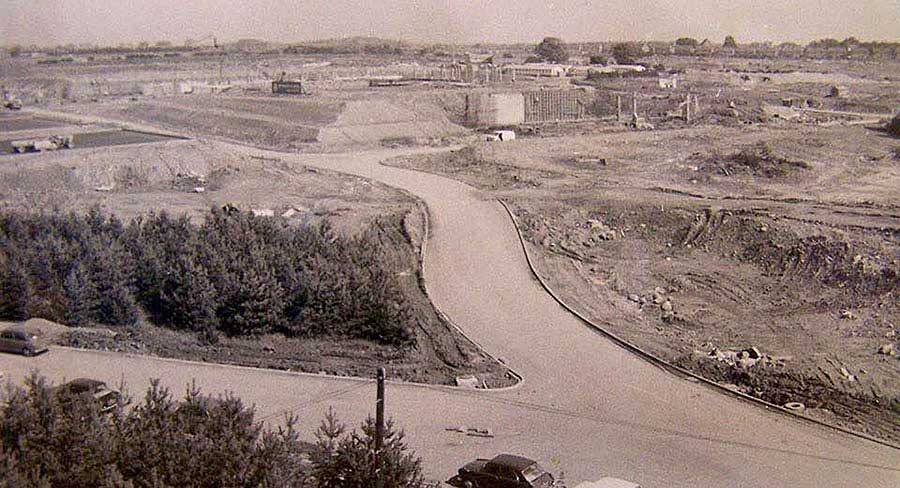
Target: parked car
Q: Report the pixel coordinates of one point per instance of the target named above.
(108, 398)
(503, 471)
(18, 341)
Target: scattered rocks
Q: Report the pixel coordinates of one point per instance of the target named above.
(847, 376)
(601, 230)
(848, 315)
(752, 352)
(744, 358)
(471, 431)
(887, 349)
(634, 298)
(666, 306)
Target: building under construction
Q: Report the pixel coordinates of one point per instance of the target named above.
(531, 107)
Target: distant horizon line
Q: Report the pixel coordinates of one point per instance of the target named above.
(182, 43)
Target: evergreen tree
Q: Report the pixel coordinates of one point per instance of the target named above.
(81, 294)
(13, 288)
(352, 461)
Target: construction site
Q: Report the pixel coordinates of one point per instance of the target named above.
(739, 218)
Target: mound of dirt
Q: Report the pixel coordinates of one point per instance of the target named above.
(757, 160)
(372, 121)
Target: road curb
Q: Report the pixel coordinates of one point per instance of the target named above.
(281, 372)
(422, 253)
(672, 368)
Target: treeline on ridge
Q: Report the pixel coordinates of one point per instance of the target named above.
(236, 273)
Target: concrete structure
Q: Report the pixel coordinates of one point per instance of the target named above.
(495, 109)
(552, 106)
(528, 107)
(287, 87)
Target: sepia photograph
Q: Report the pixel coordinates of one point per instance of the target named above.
(450, 243)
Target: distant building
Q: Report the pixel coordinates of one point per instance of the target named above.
(537, 70)
(670, 82)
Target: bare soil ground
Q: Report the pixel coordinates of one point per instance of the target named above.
(700, 243)
(325, 122)
(130, 180)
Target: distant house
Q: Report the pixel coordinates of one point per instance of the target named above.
(480, 59)
(537, 70)
(668, 82)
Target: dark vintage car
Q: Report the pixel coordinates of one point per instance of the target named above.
(107, 398)
(19, 341)
(503, 471)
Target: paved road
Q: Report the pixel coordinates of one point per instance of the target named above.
(586, 407)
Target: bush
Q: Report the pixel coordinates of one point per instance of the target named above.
(893, 126)
(237, 273)
(342, 460)
(197, 441)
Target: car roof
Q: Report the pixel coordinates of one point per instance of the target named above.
(86, 383)
(517, 462)
(18, 331)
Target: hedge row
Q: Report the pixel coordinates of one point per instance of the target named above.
(236, 273)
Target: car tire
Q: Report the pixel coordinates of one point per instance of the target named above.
(467, 484)
(28, 352)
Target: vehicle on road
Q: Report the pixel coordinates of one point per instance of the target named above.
(21, 342)
(107, 398)
(503, 471)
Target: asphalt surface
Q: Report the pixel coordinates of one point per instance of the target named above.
(586, 407)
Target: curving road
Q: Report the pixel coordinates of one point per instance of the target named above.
(586, 407)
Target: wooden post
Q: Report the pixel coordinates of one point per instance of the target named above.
(379, 411)
(618, 108)
(379, 425)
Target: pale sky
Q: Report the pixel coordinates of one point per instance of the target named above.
(109, 22)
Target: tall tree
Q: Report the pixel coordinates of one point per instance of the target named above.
(552, 50)
(730, 42)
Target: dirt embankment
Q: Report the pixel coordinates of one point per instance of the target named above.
(189, 177)
(765, 259)
(784, 312)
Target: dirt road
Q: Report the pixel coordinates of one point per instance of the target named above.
(586, 407)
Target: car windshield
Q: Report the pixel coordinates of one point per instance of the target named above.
(533, 472)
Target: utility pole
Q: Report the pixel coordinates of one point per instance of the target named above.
(379, 411)
(379, 426)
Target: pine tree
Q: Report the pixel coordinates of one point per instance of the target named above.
(81, 293)
(13, 289)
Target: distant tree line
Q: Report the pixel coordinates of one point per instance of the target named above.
(48, 440)
(236, 273)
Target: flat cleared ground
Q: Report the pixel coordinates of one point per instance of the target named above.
(799, 261)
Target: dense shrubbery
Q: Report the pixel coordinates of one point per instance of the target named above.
(236, 273)
(197, 441)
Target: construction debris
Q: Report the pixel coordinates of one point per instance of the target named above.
(51, 143)
(468, 381)
(887, 349)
